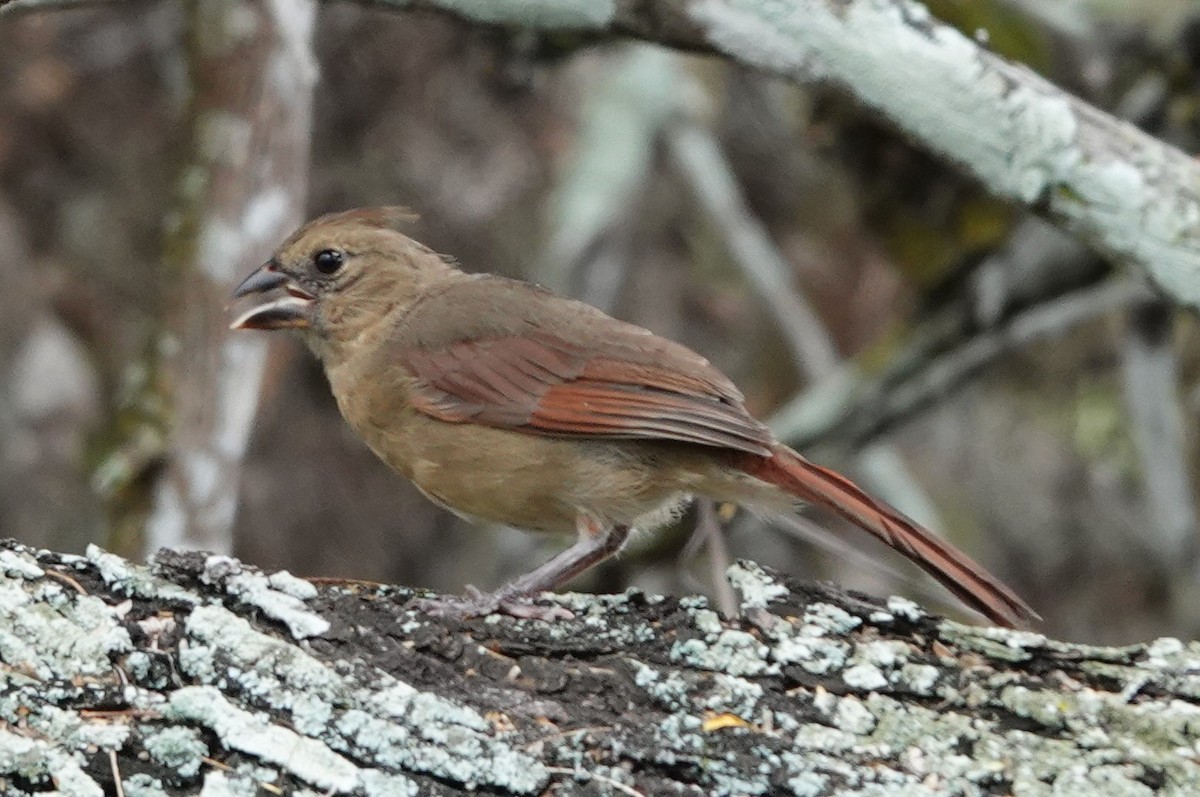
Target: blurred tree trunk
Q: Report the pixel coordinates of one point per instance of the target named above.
(242, 191)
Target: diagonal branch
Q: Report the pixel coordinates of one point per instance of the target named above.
(1128, 195)
(856, 408)
(699, 159)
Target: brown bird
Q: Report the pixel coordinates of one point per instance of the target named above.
(505, 402)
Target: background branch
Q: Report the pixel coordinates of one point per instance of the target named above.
(697, 157)
(856, 408)
(1150, 375)
(1127, 194)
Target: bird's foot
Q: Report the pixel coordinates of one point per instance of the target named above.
(477, 603)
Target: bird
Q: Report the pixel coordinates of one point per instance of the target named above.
(507, 403)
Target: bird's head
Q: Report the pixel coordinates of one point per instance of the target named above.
(339, 274)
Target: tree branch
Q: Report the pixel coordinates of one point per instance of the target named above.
(200, 672)
(15, 7)
(698, 158)
(1150, 377)
(1128, 195)
(855, 408)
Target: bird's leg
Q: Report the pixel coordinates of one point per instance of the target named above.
(596, 543)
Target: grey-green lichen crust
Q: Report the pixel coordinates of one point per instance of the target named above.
(201, 675)
(284, 716)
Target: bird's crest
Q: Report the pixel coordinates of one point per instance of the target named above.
(386, 217)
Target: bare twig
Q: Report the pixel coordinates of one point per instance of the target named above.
(856, 408)
(699, 160)
(64, 578)
(616, 784)
(116, 772)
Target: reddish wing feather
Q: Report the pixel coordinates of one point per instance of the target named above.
(540, 383)
(604, 369)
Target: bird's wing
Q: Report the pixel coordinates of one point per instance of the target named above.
(535, 362)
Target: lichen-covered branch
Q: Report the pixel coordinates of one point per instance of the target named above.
(29, 6)
(1129, 195)
(199, 672)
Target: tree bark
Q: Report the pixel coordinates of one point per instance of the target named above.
(199, 674)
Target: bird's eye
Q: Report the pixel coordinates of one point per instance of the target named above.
(327, 261)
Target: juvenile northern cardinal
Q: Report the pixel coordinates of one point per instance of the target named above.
(505, 402)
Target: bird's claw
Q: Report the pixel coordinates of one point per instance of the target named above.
(455, 608)
(526, 609)
(477, 603)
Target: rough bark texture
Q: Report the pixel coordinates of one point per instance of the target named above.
(199, 674)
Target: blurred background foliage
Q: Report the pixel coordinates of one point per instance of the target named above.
(579, 164)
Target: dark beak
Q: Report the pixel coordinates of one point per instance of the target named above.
(261, 280)
(284, 304)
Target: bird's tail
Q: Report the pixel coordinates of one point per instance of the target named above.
(813, 484)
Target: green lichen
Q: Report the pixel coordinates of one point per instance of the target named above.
(39, 761)
(180, 749)
(280, 597)
(398, 727)
(143, 785)
(308, 759)
(757, 588)
(19, 563)
(136, 581)
(77, 634)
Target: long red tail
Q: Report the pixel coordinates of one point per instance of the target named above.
(813, 484)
